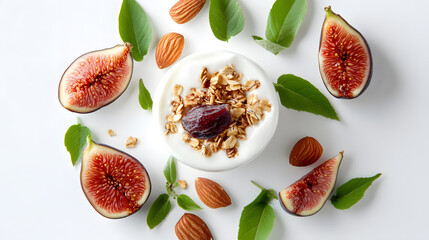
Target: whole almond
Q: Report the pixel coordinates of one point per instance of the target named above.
(192, 227)
(185, 10)
(169, 49)
(211, 193)
(305, 152)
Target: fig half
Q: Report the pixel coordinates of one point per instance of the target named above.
(307, 196)
(345, 60)
(96, 79)
(115, 183)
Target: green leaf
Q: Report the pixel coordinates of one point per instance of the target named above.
(170, 170)
(299, 94)
(257, 218)
(144, 97)
(158, 211)
(284, 21)
(226, 18)
(135, 28)
(270, 46)
(75, 140)
(351, 192)
(187, 203)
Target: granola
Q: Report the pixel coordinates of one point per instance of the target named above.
(220, 88)
(131, 142)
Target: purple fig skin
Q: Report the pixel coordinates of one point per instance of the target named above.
(148, 189)
(73, 65)
(283, 198)
(330, 14)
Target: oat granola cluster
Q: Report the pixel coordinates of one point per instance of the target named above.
(220, 88)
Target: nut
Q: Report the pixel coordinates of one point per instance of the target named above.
(185, 10)
(192, 227)
(211, 193)
(169, 49)
(305, 152)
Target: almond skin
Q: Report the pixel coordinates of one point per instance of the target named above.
(192, 227)
(185, 10)
(211, 193)
(305, 152)
(169, 49)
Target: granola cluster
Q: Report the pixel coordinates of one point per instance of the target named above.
(220, 88)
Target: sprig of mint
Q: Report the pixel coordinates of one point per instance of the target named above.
(145, 99)
(351, 192)
(160, 208)
(257, 218)
(283, 23)
(75, 140)
(226, 18)
(299, 94)
(135, 28)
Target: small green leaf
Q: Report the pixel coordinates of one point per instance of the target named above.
(135, 28)
(226, 18)
(283, 23)
(144, 97)
(299, 94)
(257, 218)
(187, 203)
(158, 211)
(170, 170)
(270, 46)
(351, 192)
(75, 140)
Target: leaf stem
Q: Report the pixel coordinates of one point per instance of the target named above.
(270, 191)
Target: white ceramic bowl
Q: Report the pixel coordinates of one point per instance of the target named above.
(186, 73)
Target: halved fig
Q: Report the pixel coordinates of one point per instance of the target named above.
(96, 79)
(345, 60)
(115, 183)
(307, 196)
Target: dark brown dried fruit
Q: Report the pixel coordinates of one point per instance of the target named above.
(207, 121)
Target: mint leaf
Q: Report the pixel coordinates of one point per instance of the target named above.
(135, 28)
(257, 218)
(284, 21)
(187, 203)
(270, 46)
(299, 94)
(75, 141)
(351, 192)
(226, 18)
(158, 211)
(170, 170)
(144, 97)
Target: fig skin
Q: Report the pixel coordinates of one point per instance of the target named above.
(63, 96)
(102, 211)
(331, 16)
(287, 204)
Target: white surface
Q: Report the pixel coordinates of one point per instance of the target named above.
(186, 73)
(384, 130)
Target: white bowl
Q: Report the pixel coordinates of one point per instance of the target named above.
(186, 73)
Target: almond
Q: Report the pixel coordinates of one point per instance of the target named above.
(192, 227)
(185, 10)
(211, 193)
(169, 49)
(305, 152)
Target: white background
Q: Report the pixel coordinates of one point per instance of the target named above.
(384, 130)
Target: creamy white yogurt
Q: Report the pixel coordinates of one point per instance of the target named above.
(186, 73)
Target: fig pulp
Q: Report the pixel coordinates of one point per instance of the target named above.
(115, 183)
(307, 196)
(345, 61)
(96, 79)
(207, 121)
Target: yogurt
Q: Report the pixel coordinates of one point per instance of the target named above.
(186, 73)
